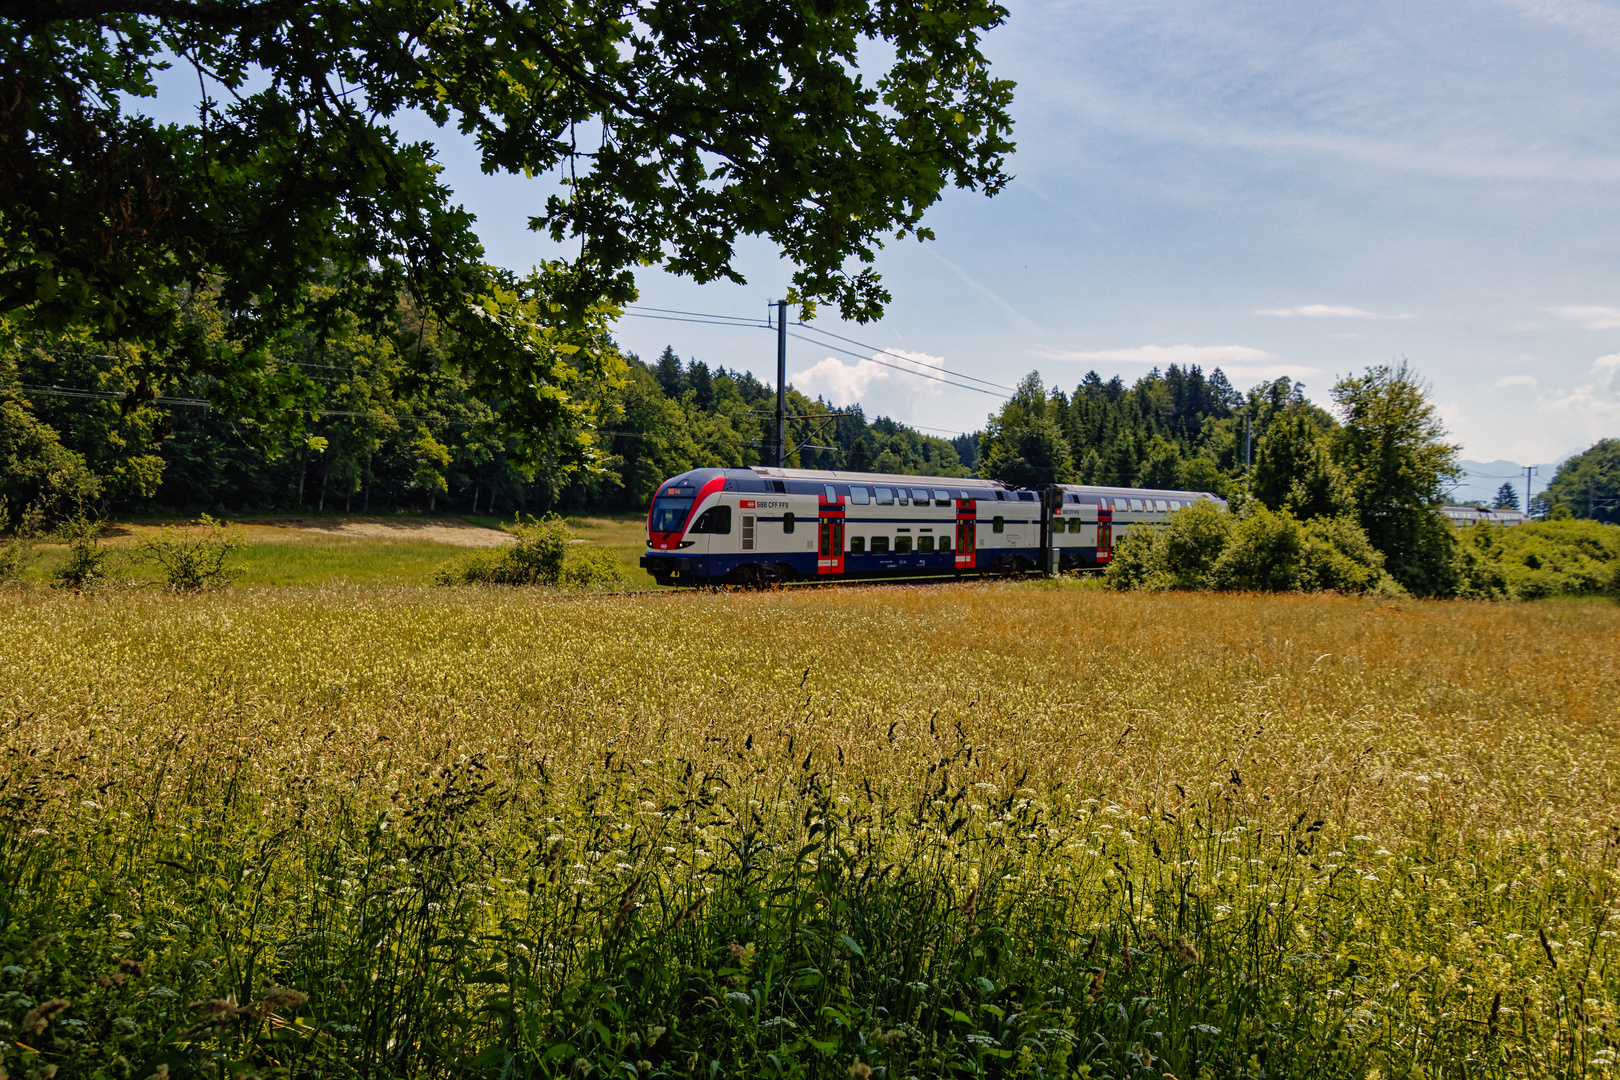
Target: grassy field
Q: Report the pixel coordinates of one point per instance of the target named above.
(311, 551)
(986, 830)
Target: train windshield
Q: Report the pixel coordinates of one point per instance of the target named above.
(668, 514)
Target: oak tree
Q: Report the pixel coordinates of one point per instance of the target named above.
(671, 128)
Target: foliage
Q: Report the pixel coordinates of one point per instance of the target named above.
(1539, 559)
(938, 858)
(1178, 556)
(1294, 468)
(36, 470)
(195, 562)
(86, 566)
(1507, 497)
(1588, 484)
(1205, 547)
(1275, 552)
(706, 123)
(1395, 463)
(17, 550)
(546, 552)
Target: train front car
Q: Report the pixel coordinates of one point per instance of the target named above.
(758, 526)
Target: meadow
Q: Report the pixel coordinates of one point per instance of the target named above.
(313, 550)
(954, 830)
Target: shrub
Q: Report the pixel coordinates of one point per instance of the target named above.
(1337, 556)
(1538, 560)
(86, 567)
(1189, 544)
(18, 550)
(546, 553)
(1132, 562)
(195, 563)
(1263, 555)
(1205, 547)
(586, 565)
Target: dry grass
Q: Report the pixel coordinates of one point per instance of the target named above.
(1430, 786)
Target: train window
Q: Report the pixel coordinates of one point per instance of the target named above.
(1175, 504)
(1001, 496)
(919, 496)
(944, 543)
(1071, 498)
(831, 493)
(999, 525)
(787, 523)
(716, 519)
(885, 497)
(965, 496)
(901, 497)
(1074, 524)
(668, 514)
(1161, 505)
(942, 497)
(859, 496)
(902, 545)
(880, 545)
(748, 532)
(1026, 496)
(1136, 504)
(925, 543)
(857, 545)
(781, 488)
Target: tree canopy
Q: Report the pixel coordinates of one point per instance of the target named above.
(1588, 484)
(291, 206)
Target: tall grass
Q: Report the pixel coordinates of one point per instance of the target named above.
(944, 831)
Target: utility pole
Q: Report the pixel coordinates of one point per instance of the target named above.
(1528, 471)
(1248, 441)
(781, 383)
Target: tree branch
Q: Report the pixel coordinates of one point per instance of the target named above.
(219, 15)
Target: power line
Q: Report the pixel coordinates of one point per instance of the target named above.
(897, 367)
(704, 318)
(901, 356)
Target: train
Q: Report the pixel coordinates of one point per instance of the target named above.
(760, 526)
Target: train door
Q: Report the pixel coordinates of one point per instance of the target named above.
(830, 533)
(1105, 534)
(966, 526)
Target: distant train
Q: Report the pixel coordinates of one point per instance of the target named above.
(758, 526)
(1463, 516)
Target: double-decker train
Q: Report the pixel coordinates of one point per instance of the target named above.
(758, 525)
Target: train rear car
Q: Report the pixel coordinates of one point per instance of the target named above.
(1085, 521)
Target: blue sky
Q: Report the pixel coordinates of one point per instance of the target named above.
(1277, 188)
(1272, 188)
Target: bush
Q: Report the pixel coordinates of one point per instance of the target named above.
(1205, 547)
(1263, 555)
(86, 567)
(195, 563)
(546, 553)
(1539, 560)
(18, 550)
(586, 565)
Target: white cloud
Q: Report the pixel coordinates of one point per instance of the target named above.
(1593, 318)
(1517, 380)
(1326, 311)
(1236, 360)
(1595, 22)
(844, 384)
(1590, 412)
